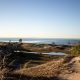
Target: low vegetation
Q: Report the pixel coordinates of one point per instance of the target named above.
(16, 63)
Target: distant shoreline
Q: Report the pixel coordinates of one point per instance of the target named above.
(58, 41)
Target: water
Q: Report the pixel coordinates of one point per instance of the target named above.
(49, 53)
(42, 40)
(55, 53)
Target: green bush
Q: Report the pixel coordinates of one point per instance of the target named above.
(76, 49)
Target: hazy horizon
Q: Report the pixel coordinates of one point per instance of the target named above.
(35, 38)
(40, 18)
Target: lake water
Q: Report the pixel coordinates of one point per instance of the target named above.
(42, 40)
(55, 53)
(49, 53)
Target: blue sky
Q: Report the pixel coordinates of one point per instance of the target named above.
(40, 18)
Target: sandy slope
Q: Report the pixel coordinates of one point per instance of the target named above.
(71, 69)
(67, 70)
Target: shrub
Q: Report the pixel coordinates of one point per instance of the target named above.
(76, 49)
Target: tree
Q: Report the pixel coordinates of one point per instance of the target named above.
(20, 40)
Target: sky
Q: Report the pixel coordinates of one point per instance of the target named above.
(40, 18)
